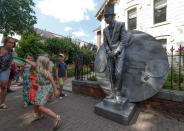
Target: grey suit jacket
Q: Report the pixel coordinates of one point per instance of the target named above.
(118, 40)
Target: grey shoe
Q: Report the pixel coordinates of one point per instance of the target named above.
(111, 96)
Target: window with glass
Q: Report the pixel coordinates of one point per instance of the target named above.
(160, 10)
(132, 19)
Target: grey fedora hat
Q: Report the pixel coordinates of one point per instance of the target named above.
(109, 9)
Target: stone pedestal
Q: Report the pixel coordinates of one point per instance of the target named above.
(119, 112)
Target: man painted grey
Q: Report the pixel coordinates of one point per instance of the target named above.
(134, 77)
(114, 40)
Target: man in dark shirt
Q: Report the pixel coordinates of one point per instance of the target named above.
(61, 73)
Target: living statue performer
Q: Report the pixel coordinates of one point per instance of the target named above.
(114, 40)
(130, 66)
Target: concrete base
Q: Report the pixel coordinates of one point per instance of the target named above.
(119, 112)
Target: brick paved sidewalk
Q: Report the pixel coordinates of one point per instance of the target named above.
(77, 113)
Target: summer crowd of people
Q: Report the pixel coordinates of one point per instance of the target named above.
(38, 85)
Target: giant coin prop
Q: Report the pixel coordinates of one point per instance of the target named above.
(145, 67)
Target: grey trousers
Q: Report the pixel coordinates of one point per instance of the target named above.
(117, 70)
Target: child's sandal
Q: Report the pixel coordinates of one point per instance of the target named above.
(59, 123)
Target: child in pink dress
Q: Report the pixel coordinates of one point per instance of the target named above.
(33, 84)
(33, 90)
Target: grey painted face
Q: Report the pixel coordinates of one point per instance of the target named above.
(145, 67)
(109, 18)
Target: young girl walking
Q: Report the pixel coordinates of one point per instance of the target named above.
(33, 90)
(44, 79)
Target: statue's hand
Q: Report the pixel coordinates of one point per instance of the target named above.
(111, 54)
(117, 53)
(119, 49)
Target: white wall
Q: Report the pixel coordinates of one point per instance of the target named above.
(172, 29)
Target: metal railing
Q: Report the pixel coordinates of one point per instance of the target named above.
(84, 69)
(176, 72)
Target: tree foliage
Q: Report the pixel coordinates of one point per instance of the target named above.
(16, 16)
(30, 44)
(35, 45)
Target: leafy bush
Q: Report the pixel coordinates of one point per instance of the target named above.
(71, 70)
(92, 78)
(30, 44)
(88, 56)
(175, 77)
(35, 45)
(86, 70)
(54, 46)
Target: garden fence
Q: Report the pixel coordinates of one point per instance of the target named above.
(175, 79)
(84, 69)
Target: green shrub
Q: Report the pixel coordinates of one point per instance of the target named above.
(86, 70)
(54, 46)
(92, 78)
(70, 72)
(167, 85)
(30, 44)
(175, 77)
(88, 56)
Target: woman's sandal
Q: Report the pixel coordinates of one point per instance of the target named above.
(3, 106)
(59, 123)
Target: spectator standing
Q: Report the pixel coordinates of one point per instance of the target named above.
(61, 74)
(6, 53)
(26, 79)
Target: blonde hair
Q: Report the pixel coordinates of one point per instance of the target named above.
(47, 55)
(43, 66)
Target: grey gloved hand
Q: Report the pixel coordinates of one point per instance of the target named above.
(111, 54)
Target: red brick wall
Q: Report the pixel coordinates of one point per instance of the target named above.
(89, 91)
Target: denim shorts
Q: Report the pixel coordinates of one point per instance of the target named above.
(4, 75)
